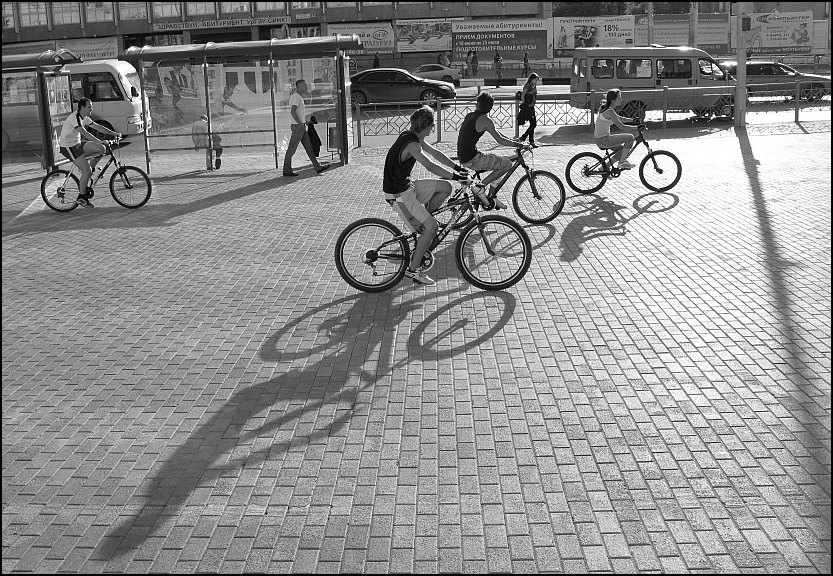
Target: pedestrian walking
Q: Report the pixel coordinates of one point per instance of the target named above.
(475, 63)
(498, 62)
(297, 110)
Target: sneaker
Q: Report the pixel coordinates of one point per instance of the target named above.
(419, 277)
(489, 203)
(217, 163)
(84, 203)
(625, 165)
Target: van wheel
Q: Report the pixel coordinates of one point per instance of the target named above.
(635, 109)
(102, 135)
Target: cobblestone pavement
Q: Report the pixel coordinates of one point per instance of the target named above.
(191, 387)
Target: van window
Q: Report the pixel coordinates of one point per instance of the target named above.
(710, 70)
(97, 86)
(602, 68)
(673, 68)
(633, 68)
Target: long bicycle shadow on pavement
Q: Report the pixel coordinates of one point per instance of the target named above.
(364, 325)
(596, 216)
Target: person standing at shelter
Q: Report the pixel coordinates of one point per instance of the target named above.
(475, 63)
(298, 126)
(498, 67)
(199, 133)
(467, 72)
(526, 64)
(376, 61)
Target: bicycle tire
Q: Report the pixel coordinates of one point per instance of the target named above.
(57, 198)
(647, 171)
(542, 190)
(582, 180)
(130, 187)
(473, 260)
(380, 231)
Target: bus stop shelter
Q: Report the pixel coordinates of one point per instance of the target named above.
(182, 83)
(50, 96)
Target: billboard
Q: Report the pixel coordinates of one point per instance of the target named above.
(669, 30)
(106, 48)
(587, 32)
(376, 37)
(511, 38)
(423, 35)
(781, 32)
(712, 33)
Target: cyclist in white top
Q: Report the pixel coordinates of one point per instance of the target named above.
(78, 152)
(608, 117)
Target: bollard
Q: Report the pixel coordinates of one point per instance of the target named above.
(797, 94)
(359, 124)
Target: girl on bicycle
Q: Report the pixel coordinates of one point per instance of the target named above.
(607, 118)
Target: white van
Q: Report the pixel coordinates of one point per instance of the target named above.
(113, 86)
(695, 80)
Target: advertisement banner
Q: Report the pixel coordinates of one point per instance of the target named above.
(60, 105)
(669, 30)
(571, 33)
(713, 33)
(377, 37)
(106, 48)
(784, 32)
(28, 47)
(423, 35)
(203, 24)
(511, 38)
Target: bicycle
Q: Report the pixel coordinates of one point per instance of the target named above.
(129, 185)
(659, 171)
(538, 196)
(492, 253)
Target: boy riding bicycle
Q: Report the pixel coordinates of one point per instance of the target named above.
(414, 200)
(80, 153)
(473, 127)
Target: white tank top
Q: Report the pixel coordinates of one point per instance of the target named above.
(603, 125)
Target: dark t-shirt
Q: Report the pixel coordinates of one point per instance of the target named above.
(468, 138)
(397, 176)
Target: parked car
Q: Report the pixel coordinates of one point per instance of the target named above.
(438, 72)
(396, 85)
(765, 76)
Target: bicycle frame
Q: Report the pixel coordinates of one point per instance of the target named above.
(611, 152)
(93, 182)
(516, 163)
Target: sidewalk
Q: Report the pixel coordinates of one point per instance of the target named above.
(191, 387)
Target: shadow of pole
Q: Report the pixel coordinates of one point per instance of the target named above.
(776, 266)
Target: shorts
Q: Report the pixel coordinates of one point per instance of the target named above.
(488, 162)
(77, 151)
(410, 204)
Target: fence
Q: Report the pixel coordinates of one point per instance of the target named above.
(660, 105)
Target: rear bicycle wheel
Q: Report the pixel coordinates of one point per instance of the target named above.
(130, 187)
(586, 172)
(60, 192)
(538, 197)
(370, 256)
(493, 252)
(660, 171)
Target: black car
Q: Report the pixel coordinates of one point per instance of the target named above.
(396, 85)
(765, 76)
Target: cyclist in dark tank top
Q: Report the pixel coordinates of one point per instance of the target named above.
(414, 200)
(473, 127)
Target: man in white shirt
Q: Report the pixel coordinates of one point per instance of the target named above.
(71, 146)
(297, 110)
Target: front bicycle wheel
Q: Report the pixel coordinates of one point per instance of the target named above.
(493, 252)
(372, 255)
(130, 187)
(660, 171)
(538, 197)
(59, 189)
(586, 173)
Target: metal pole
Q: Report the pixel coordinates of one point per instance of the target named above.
(439, 120)
(274, 112)
(740, 51)
(797, 94)
(145, 115)
(359, 123)
(664, 106)
(650, 23)
(517, 126)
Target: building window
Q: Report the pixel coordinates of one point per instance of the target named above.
(133, 10)
(197, 8)
(375, 3)
(235, 7)
(270, 6)
(99, 11)
(8, 14)
(302, 5)
(166, 9)
(341, 4)
(32, 13)
(66, 13)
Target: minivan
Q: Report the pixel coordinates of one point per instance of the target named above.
(695, 80)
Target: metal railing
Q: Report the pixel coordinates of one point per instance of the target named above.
(577, 108)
